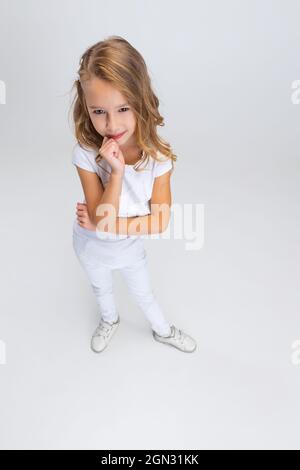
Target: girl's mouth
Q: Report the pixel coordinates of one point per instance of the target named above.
(118, 136)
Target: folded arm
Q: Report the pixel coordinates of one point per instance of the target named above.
(102, 215)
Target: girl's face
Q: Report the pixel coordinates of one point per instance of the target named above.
(109, 111)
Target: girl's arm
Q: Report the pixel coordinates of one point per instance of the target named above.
(110, 200)
(145, 224)
(95, 195)
(156, 222)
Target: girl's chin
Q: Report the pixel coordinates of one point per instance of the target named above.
(125, 141)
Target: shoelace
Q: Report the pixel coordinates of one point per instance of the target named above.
(101, 330)
(178, 335)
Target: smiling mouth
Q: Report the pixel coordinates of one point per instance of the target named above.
(116, 136)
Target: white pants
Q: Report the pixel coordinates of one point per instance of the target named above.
(135, 273)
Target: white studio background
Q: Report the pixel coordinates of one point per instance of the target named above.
(226, 74)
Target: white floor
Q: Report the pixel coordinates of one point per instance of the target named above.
(238, 296)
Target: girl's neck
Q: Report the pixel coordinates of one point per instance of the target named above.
(131, 154)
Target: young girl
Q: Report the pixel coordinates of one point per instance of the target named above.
(124, 168)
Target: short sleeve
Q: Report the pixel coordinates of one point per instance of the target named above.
(83, 159)
(162, 167)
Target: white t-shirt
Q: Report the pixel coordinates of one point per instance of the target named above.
(136, 186)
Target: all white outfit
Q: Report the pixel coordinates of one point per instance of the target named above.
(101, 252)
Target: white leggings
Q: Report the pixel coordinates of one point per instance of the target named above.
(136, 276)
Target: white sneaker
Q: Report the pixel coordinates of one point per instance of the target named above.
(178, 339)
(103, 334)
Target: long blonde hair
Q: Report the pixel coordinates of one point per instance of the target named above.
(117, 61)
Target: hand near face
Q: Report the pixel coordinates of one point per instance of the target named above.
(112, 153)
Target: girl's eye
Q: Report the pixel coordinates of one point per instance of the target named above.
(126, 109)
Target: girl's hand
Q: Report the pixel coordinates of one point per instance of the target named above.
(112, 153)
(83, 217)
